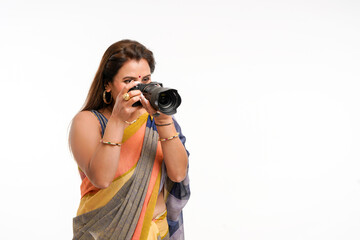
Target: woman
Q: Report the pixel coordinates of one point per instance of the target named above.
(132, 160)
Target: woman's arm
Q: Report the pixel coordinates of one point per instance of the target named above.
(175, 155)
(98, 161)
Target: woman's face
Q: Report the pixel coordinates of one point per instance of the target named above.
(132, 70)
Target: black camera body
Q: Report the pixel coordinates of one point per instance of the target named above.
(165, 100)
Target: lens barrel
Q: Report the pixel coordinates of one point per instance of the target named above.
(165, 100)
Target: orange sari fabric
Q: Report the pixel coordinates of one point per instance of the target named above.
(129, 156)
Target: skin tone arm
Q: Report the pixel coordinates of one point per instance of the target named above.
(100, 161)
(175, 155)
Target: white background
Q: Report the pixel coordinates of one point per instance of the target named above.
(270, 108)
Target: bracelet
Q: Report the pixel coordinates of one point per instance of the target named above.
(166, 124)
(156, 114)
(110, 143)
(167, 139)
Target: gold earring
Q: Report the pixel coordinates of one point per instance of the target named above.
(104, 98)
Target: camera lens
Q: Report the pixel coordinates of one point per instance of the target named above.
(168, 101)
(164, 99)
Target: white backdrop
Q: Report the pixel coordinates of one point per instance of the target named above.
(270, 109)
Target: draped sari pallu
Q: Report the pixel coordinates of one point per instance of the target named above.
(125, 209)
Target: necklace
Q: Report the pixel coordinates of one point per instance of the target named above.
(132, 122)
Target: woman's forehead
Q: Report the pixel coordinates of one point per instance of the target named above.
(135, 68)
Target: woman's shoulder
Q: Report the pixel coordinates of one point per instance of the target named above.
(85, 119)
(84, 116)
(83, 124)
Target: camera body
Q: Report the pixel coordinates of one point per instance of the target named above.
(165, 100)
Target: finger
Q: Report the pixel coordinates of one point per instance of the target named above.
(130, 94)
(146, 104)
(134, 93)
(133, 100)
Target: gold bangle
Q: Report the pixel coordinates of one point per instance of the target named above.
(166, 124)
(167, 139)
(110, 143)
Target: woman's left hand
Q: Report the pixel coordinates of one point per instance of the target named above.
(159, 117)
(174, 152)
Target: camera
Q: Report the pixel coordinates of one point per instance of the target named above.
(165, 100)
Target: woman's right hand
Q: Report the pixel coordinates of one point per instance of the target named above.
(123, 109)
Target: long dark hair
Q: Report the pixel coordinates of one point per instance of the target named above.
(113, 59)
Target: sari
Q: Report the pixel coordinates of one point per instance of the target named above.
(125, 209)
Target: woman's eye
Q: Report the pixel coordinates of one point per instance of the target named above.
(127, 81)
(146, 79)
